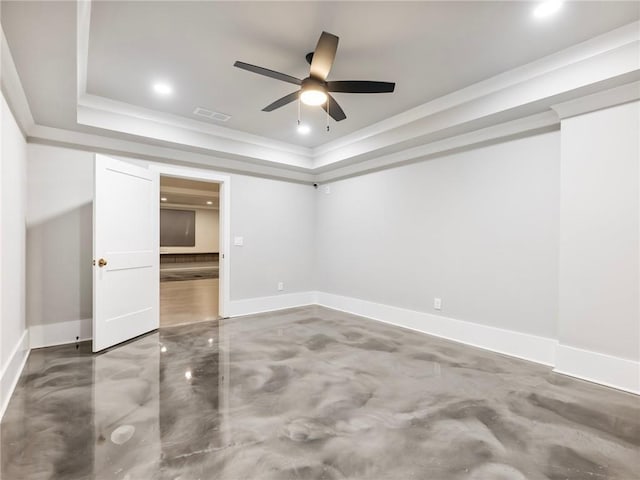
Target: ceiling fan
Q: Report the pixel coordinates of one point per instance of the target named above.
(315, 89)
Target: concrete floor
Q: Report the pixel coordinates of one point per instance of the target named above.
(188, 301)
(309, 393)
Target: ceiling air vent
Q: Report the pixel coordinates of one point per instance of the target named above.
(211, 115)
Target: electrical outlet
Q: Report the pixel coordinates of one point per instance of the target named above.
(238, 241)
(437, 303)
(327, 189)
(280, 286)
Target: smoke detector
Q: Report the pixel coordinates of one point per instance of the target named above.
(211, 115)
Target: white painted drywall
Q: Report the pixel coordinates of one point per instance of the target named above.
(207, 232)
(599, 299)
(59, 235)
(274, 217)
(12, 251)
(277, 222)
(478, 229)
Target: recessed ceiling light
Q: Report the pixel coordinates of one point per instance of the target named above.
(162, 88)
(187, 375)
(303, 129)
(209, 202)
(548, 8)
(163, 199)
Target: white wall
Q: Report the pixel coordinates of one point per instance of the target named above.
(599, 308)
(207, 232)
(59, 235)
(275, 218)
(13, 331)
(277, 222)
(478, 229)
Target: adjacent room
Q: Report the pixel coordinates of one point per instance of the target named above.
(189, 251)
(364, 240)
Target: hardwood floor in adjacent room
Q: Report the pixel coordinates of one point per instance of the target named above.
(188, 301)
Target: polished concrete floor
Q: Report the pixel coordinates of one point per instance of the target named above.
(309, 393)
(188, 301)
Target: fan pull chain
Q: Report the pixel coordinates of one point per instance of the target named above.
(298, 110)
(328, 103)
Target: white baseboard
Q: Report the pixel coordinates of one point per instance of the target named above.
(509, 342)
(250, 306)
(599, 368)
(60, 333)
(587, 365)
(10, 375)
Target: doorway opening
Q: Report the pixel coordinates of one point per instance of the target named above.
(190, 250)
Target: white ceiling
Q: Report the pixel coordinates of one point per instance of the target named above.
(428, 48)
(192, 193)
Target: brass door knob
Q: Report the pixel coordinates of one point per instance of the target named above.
(102, 262)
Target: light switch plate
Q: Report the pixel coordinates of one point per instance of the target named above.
(437, 303)
(238, 241)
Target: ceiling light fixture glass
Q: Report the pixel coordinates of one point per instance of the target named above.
(548, 8)
(313, 96)
(162, 88)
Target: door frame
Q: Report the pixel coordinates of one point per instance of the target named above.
(224, 228)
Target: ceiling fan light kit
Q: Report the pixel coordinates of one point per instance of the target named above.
(313, 92)
(315, 89)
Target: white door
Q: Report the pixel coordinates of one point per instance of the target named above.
(126, 214)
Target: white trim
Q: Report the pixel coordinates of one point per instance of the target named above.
(600, 63)
(83, 27)
(60, 333)
(250, 306)
(225, 222)
(10, 375)
(121, 117)
(12, 88)
(590, 103)
(160, 153)
(604, 43)
(522, 126)
(100, 104)
(509, 342)
(599, 368)
(595, 367)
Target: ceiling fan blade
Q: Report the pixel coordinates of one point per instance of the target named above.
(335, 111)
(282, 101)
(361, 86)
(323, 56)
(268, 73)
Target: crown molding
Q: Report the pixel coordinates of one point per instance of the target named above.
(83, 27)
(541, 122)
(600, 72)
(606, 42)
(159, 153)
(121, 117)
(12, 88)
(530, 89)
(597, 101)
(600, 63)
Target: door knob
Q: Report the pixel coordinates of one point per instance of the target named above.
(102, 262)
